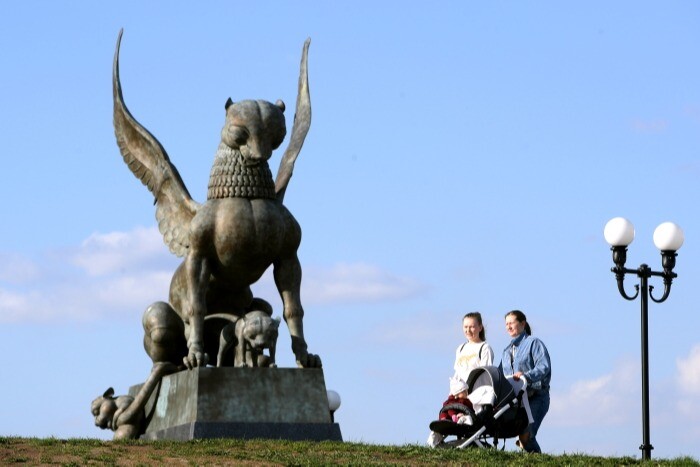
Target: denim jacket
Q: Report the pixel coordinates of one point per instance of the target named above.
(531, 358)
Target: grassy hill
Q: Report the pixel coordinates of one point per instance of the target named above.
(34, 451)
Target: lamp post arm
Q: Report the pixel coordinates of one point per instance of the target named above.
(668, 279)
(668, 261)
(667, 291)
(619, 254)
(620, 276)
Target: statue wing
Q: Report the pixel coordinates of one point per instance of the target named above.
(147, 159)
(302, 122)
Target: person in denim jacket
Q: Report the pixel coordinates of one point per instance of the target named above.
(527, 357)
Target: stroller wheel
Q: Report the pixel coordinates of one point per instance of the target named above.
(451, 444)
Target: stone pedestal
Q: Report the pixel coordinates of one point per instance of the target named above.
(272, 403)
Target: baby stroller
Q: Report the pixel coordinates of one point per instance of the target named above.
(501, 410)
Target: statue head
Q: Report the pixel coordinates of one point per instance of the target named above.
(260, 330)
(254, 127)
(103, 409)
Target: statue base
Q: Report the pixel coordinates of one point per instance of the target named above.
(269, 403)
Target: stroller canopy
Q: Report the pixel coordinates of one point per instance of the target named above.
(494, 378)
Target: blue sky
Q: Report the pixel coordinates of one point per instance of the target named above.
(462, 156)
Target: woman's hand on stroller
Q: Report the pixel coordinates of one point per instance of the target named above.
(519, 376)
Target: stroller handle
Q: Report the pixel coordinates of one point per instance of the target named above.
(523, 381)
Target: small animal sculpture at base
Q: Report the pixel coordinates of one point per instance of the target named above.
(249, 336)
(107, 411)
(125, 415)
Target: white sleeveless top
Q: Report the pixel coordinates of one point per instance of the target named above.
(471, 355)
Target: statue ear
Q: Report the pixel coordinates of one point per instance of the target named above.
(276, 322)
(228, 104)
(108, 393)
(280, 104)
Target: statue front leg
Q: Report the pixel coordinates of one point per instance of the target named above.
(287, 274)
(198, 272)
(226, 340)
(130, 419)
(273, 351)
(164, 334)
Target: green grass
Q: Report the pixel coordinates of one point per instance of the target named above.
(52, 451)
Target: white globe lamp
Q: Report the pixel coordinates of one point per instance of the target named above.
(619, 232)
(333, 402)
(668, 237)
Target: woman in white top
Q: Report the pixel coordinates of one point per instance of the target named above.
(472, 354)
(475, 352)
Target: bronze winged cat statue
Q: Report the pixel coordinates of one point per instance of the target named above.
(231, 239)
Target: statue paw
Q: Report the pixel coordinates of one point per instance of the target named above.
(126, 432)
(195, 358)
(308, 360)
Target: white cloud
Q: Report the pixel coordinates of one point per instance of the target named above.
(17, 269)
(121, 273)
(688, 380)
(138, 288)
(353, 283)
(605, 400)
(612, 401)
(102, 254)
(85, 300)
(13, 305)
(689, 371)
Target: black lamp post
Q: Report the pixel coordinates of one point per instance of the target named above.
(668, 238)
